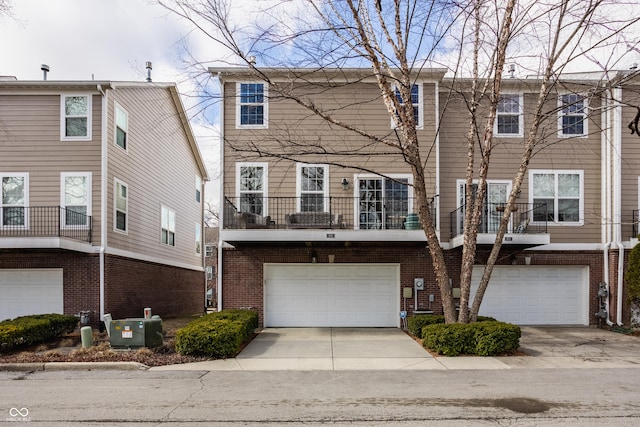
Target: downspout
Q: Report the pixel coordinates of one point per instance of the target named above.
(436, 196)
(617, 183)
(221, 215)
(103, 197)
(605, 197)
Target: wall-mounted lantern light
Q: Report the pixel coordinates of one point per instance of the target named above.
(345, 184)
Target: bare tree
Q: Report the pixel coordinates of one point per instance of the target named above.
(396, 40)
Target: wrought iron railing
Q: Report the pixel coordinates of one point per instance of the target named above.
(526, 218)
(349, 213)
(45, 221)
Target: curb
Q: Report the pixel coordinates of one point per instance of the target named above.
(73, 366)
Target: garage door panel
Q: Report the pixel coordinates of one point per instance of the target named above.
(332, 295)
(30, 291)
(536, 295)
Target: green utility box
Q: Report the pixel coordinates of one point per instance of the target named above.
(135, 333)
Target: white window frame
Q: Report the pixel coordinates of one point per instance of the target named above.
(24, 205)
(63, 203)
(557, 172)
(356, 191)
(520, 115)
(585, 116)
(116, 183)
(198, 246)
(265, 184)
(264, 104)
(63, 117)
(116, 126)
(170, 225)
(208, 250)
(209, 271)
(419, 105)
(324, 192)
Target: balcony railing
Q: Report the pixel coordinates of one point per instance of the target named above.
(348, 213)
(526, 218)
(45, 221)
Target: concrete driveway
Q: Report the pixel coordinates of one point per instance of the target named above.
(393, 349)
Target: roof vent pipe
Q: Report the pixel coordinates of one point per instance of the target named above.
(45, 70)
(149, 68)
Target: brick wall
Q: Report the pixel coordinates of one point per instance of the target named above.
(132, 285)
(243, 269)
(81, 276)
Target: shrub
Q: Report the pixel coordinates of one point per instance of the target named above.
(449, 340)
(486, 338)
(417, 322)
(218, 335)
(632, 275)
(29, 330)
(493, 338)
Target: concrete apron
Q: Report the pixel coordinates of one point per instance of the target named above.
(392, 349)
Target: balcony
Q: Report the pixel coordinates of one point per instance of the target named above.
(43, 222)
(527, 225)
(319, 218)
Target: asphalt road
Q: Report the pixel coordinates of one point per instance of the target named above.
(523, 397)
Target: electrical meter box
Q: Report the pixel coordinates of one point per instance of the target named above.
(135, 333)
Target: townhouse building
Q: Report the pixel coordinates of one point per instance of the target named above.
(102, 200)
(318, 225)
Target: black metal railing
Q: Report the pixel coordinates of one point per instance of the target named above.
(634, 224)
(349, 213)
(45, 221)
(526, 218)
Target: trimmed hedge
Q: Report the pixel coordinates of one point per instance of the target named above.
(218, 335)
(480, 338)
(29, 330)
(417, 322)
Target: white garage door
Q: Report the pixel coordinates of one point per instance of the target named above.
(332, 295)
(536, 295)
(33, 291)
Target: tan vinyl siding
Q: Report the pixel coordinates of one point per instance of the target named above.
(300, 134)
(630, 166)
(30, 142)
(558, 153)
(159, 169)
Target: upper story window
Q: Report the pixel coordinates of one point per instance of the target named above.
(252, 187)
(168, 226)
(573, 115)
(509, 115)
(122, 127)
(75, 199)
(251, 106)
(75, 117)
(416, 102)
(558, 196)
(312, 187)
(198, 238)
(15, 199)
(121, 206)
(198, 188)
(208, 250)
